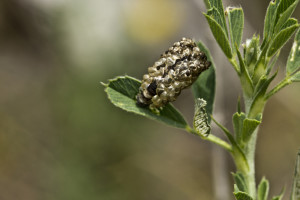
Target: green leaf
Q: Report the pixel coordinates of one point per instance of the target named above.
(272, 63)
(201, 124)
(259, 99)
(269, 21)
(284, 16)
(242, 196)
(282, 7)
(220, 35)
(296, 183)
(207, 4)
(214, 13)
(244, 76)
(293, 62)
(226, 131)
(280, 39)
(260, 83)
(244, 127)
(205, 86)
(289, 22)
(280, 196)
(122, 90)
(249, 126)
(251, 52)
(235, 188)
(236, 25)
(236, 148)
(263, 189)
(219, 6)
(295, 77)
(240, 181)
(237, 120)
(260, 66)
(277, 197)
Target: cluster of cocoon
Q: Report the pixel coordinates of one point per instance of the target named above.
(175, 70)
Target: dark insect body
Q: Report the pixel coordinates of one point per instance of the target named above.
(177, 69)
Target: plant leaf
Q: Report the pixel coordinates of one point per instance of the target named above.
(284, 16)
(272, 63)
(260, 83)
(236, 147)
(227, 132)
(220, 35)
(280, 39)
(240, 181)
(293, 62)
(201, 124)
(289, 22)
(251, 52)
(235, 188)
(237, 120)
(122, 90)
(295, 77)
(263, 189)
(280, 196)
(244, 127)
(207, 4)
(269, 21)
(236, 26)
(245, 78)
(259, 99)
(249, 126)
(260, 66)
(214, 13)
(242, 196)
(219, 6)
(205, 86)
(282, 7)
(296, 184)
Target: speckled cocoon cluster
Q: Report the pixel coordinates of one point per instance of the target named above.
(176, 69)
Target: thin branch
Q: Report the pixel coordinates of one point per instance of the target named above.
(211, 138)
(278, 87)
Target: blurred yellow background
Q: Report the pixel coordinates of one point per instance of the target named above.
(61, 138)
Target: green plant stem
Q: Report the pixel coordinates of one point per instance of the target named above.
(278, 87)
(248, 171)
(249, 152)
(250, 174)
(211, 138)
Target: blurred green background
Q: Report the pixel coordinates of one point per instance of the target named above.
(61, 138)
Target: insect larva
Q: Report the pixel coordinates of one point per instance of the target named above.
(176, 69)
